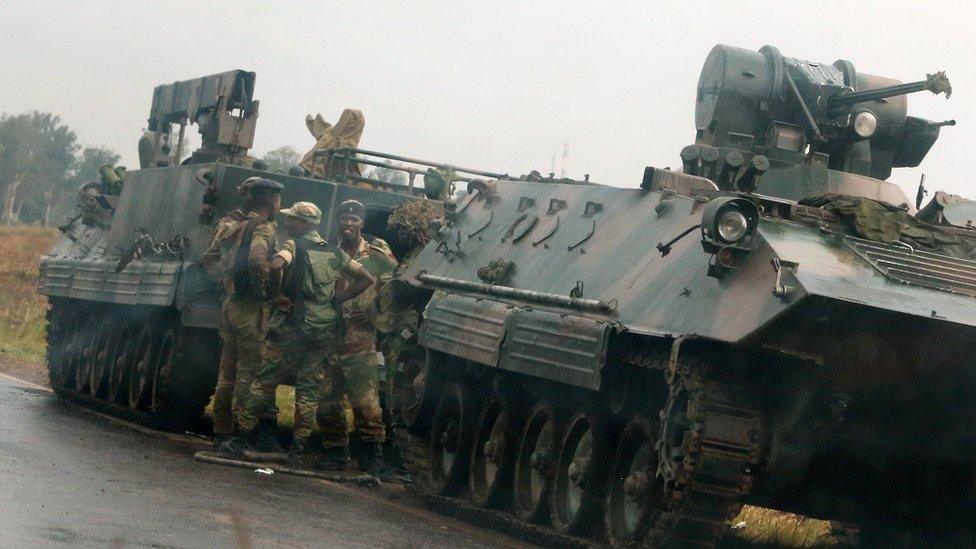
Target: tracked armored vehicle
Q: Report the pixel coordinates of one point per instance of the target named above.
(133, 316)
(633, 365)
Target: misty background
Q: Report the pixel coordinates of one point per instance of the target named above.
(602, 88)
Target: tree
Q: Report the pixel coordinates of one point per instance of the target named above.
(388, 175)
(86, 166)
(36, 154)
(282, 159)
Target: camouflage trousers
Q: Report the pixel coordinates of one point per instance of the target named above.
(356, 377)
(291, 355)
(243, 330)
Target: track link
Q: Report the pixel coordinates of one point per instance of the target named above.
(720, 453)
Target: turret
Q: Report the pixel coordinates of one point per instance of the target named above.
(793, 128)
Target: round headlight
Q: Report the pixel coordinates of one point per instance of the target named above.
(865, 124)
(732, 226)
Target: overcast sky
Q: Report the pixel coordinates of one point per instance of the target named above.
(493, 85)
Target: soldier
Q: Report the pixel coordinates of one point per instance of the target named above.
(356, 371)
(304, 328)
(239, 256)
(397, 323)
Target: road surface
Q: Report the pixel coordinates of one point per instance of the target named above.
(70, 477)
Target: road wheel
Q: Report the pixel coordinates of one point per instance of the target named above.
(415, 390)
(139, 362)
(72, 354)
(90, 341)
(449, 443)
(493, 451)
(121, 355)
(580, 473)
(634, 491)
(535, 462)
(98, 379)
(161, 371)
(61, 332)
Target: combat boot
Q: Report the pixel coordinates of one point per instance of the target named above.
(267, 441)
(296, 453)
(371, 461)
(334, 459)
(234, 447)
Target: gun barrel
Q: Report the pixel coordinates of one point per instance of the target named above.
(853, 98)
(936, 83)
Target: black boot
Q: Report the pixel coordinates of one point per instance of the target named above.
(267, 442)
(335, 458)
(371, 461)
(296, 453)
(234, 447)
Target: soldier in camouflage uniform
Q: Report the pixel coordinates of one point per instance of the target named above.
(399, 322)
(304, 326)
(238, 257)
(356, 375)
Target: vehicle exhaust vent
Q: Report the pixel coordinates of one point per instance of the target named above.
(902, 263)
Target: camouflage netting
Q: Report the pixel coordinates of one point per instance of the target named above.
(346, 133)
(886, 223)
(414, 218)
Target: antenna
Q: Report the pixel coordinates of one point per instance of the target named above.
(562, 172)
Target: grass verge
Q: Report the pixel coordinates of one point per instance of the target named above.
(22, 309)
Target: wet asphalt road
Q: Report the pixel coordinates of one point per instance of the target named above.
(69, 477)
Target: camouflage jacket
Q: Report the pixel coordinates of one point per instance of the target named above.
(219, 257)
(326, 263)
(375, 255)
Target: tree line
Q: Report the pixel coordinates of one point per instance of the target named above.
(41, 167)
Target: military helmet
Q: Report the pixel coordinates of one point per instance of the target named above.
(304, 210)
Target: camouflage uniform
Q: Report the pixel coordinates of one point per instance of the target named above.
(243, 318)
(356, 371)
(300, 343)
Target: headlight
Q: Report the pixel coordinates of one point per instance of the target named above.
(865, 124)
(732, 226)
(728, 221)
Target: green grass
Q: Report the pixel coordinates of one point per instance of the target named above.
(285, 399)
(22, 309)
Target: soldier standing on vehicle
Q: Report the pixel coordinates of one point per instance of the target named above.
(304, 330)
(356, 371)
(239, 257)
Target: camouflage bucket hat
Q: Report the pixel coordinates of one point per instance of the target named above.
(304, 210)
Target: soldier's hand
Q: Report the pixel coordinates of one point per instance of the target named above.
(281, 302)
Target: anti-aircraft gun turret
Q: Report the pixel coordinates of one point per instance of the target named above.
(807, 128)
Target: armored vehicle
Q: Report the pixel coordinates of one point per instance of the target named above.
(132, 321)
(769, 325)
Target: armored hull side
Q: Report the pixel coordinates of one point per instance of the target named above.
(847, 375)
